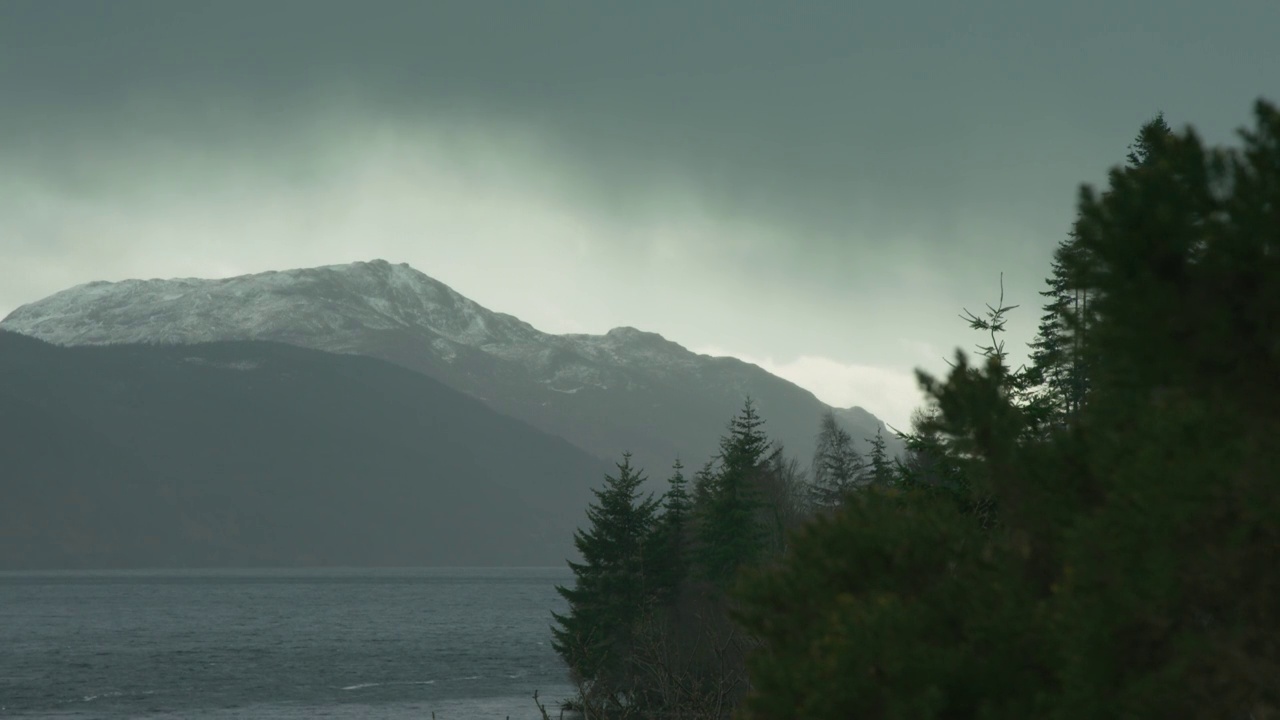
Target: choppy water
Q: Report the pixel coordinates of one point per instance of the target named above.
(385, 643)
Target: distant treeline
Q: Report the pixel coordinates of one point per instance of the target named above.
(1094, 535)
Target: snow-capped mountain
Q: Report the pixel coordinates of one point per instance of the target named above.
(626, 390)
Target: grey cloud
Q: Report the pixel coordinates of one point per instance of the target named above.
(816, 179)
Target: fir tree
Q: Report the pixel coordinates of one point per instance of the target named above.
(671, 540)
(1056, 368)
(945, 455)
(730, 533)
(836, 467)
(1059, 353)
(1152, 135)
(704, 486)
(879, 469)
(1131, 573)
(610, 584)
(927, 463)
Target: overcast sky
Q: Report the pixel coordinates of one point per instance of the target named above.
(819, 188)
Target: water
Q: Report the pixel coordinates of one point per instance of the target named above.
(385, 643)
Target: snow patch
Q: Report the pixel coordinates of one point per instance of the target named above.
(336, 308)
(445, 349)
(225, 365)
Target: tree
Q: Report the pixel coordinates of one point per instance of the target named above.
(671, 540)
(610, 590)
(879, 469)
(836, 467)
(927, 464)
(1057, 370)
(1060, 368)
(1131, 570)
(944, 447)
(870, 614)
(730, 531)
(1151, 136)
(784, 494)
(1171, 449)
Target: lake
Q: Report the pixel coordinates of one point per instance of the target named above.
(337, 643)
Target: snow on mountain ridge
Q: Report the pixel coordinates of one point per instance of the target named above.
(323, 305)
(624, 388)
(374, 295)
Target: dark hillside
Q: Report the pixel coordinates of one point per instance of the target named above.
(256, 453)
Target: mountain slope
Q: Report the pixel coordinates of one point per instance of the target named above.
(625, 390)
(255, 453)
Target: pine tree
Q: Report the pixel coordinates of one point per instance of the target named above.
(1059, 353)
(730, 533)
(1183, 415)
(610, 584)
(836, 467)
(927, 464)
(704, 486)
(1131, 573)
(1056, 369)
(1150, 137)
(879, 469)
(671, 540)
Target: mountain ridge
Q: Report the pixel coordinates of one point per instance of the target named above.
(557, 383)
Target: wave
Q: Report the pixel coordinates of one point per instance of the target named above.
(110, 694)
(362, 686)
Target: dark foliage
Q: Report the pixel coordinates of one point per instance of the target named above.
(1094, 536)
(613, 588)
(1115, 562)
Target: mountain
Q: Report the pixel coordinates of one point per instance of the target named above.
(251, 453)
(624, 390)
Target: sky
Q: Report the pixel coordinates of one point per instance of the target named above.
(819, 188)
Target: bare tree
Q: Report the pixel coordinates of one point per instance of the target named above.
(692, 658)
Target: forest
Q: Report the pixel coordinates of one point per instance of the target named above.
(1094, 534)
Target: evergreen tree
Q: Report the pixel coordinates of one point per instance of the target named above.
(921, 466)
(944, 456)
(671, 540)
(1060, 367)
(1056, 367)
(730, 531)
(704, 486)
(1183, 414)
(879, 469)
(836, 466)
(928, 466)
(1131, 573)
(610, 585)
(1152, 135)
(1089, 274)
